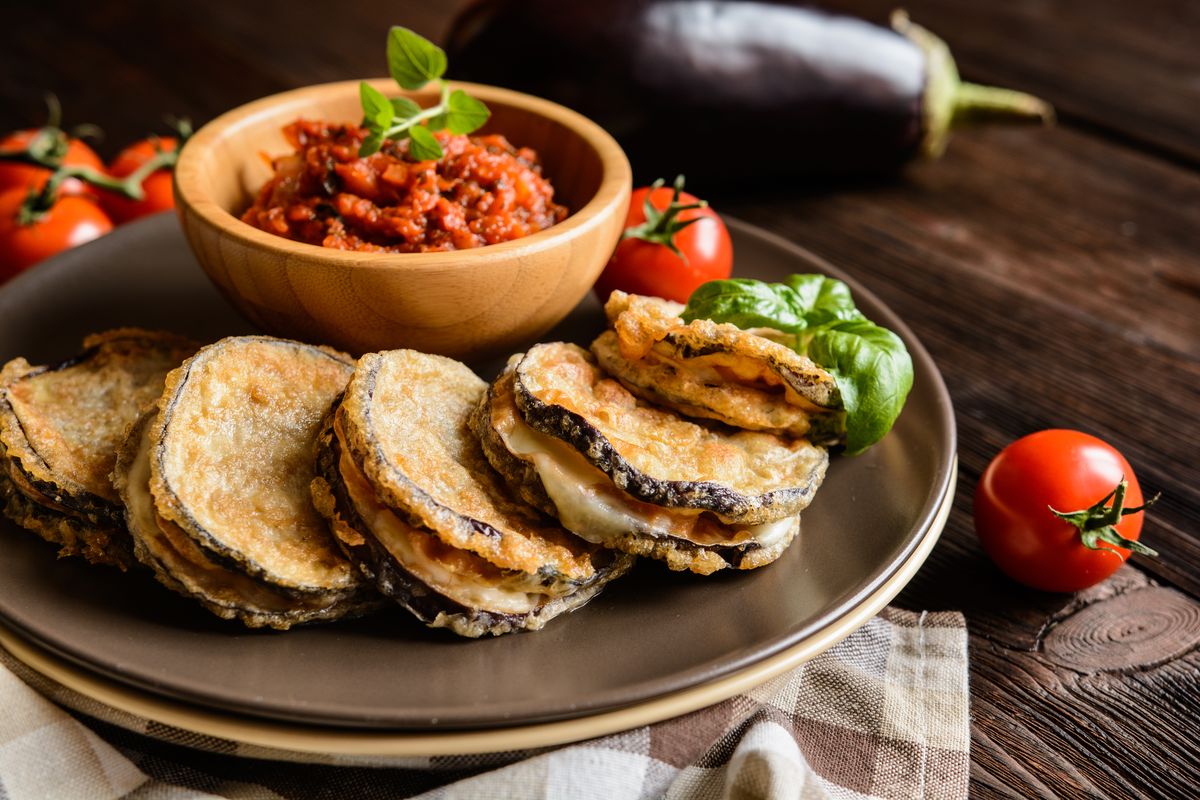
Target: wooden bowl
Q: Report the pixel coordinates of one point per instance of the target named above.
(462, 303)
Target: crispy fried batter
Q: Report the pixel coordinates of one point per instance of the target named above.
(63, 423)
(232, 458)
(745, 477)
(700, 393)
(60, 427)
(184, 567)
(717, 371)
(73, 536)
(685, 540)
(404, 422)
(434, 599)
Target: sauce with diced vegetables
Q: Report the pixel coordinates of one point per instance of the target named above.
(482, 191)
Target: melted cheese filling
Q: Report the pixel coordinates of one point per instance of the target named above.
(457, 574)
(720, 368)
(591, 507)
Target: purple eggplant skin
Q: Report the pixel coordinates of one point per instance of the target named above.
(729, 89)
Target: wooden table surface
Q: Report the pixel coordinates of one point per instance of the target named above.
(1053, 274)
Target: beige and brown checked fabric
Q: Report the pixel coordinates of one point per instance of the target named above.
(884, 714)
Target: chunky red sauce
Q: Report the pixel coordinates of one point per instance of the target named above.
(482, 191)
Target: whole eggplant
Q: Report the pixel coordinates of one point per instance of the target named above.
(733, 89)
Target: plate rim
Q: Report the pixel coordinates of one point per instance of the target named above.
(300, 739)
(939, 489)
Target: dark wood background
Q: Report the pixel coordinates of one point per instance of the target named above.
(1053, 274)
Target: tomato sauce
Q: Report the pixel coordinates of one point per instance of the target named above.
(482, 191)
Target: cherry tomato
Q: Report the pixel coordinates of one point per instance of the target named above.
(157, 186)
(27, 176)
(1068, 471)
(649, 267)
(71, 221)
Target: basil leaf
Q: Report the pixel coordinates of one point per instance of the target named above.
(413, 60)
(422, 145)
(377, 109)
(465, 114)
(746, 303)
(371, 144)
(403, 108)
(823, 299)
(873, 371)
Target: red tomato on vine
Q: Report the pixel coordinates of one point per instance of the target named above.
(159, 194)
(1059, 510)
(76, 153)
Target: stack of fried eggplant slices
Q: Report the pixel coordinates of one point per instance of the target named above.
(278, 483)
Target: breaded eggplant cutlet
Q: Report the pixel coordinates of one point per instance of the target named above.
(709, 370)
(623, 473)
(215, 481)
(414, 503)
(60, 427)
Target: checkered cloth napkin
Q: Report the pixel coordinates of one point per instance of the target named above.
(883, 714)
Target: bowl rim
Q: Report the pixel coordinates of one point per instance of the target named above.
(615, 182)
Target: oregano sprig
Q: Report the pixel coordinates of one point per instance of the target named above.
(414, 61)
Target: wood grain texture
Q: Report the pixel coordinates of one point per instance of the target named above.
(463, 303)
(1037, 309)
(1054, 276)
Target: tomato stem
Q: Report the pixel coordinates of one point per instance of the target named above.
(1097, 523)
(660, 227)
(47, 149)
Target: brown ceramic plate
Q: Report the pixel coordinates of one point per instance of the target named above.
(649, 635)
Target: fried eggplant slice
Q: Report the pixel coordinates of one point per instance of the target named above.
(60, 427)
(233, 456)
(703, 369)
(441, 585)
(551, 475)
(404, 421)
(656, 456)
(73, 536)
(181, 565)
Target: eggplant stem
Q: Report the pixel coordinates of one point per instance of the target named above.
(974, 103)
(949, 102)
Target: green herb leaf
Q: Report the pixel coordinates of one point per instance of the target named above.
(872, 367)
(413, 60)
(822, 299)
(873, 371)
(422, 145)
(403, 108)
(465, 114)
(747, 303)
(371, 144)
(377, 109)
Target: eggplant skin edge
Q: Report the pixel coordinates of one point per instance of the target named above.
(72, 536)
(679, 555)
(93, 511)
(340, 605)
(408, 494)
(177, 511)
(729, 505)
(394, 581)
